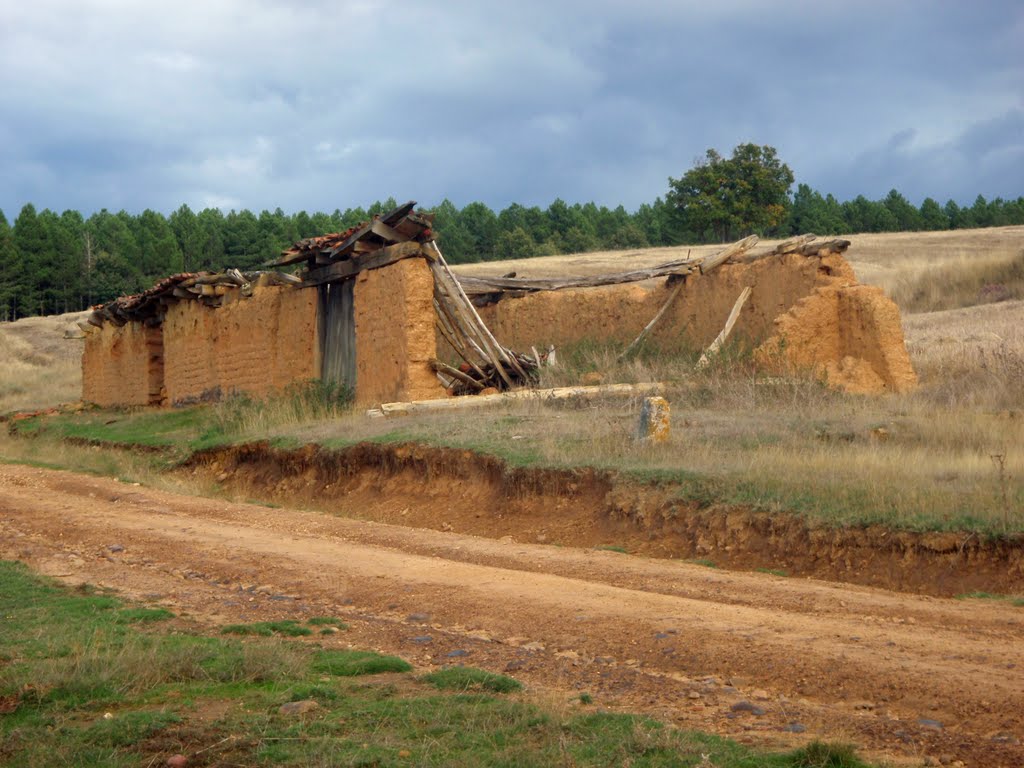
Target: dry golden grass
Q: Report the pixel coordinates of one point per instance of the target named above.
(38, 366)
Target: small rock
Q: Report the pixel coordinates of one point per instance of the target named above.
(115, 548)
(654, 425)
(264, 589)
(569, 655)
(746, 706)
(931, 760)
(693, 695)
(418, 617)
(422, 639)
(794, 728)
(108, 715)
(176, 761)
(661, 636)
(1006, 738)
(458, 653)
(864, 705)
(542, 538)
(760, 695)
(514, 665)
(924, 722)
(298, 707)
(737, 682)
(532, 646)
(404, 753)
(946, 759)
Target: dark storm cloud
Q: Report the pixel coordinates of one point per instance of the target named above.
(334, 104)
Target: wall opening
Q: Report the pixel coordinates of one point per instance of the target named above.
(336, 316)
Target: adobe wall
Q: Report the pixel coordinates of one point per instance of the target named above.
(394, 327)
(122, 365)
(257, 345)
(851, 335)
(804, 313)
(619, 312)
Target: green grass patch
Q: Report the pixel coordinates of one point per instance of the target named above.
(613, 548)
(287, 628)
(143, 615)
(471, 679)
(772, 571)
(326, 621)
(146, 427)
(357, 663)
(94, 690)
(703, 561)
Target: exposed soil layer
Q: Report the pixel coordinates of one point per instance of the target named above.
(461, 491)
(763, 659)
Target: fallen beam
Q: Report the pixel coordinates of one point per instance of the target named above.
(518, 395)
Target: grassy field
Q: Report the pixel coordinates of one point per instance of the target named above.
(945, 457)
(38, 366)
(86, 680)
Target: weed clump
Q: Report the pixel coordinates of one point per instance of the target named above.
(470, 679)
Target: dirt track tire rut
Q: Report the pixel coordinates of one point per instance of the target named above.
(681, 641)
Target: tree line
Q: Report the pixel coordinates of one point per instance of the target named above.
(52, 263)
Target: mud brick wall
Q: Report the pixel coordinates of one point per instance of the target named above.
(619, 312)
(394, 328)
(803, 313)
(849, 334)
(123, 365)
(257, 345)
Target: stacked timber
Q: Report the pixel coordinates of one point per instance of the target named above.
(486, 364)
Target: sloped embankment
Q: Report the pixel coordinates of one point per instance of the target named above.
(457, 490)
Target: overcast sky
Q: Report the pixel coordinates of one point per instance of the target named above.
(323, 105)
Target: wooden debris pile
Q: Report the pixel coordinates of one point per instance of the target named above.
(486, 364)
(150, 306)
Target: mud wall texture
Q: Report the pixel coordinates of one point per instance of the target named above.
(849, 333)
(257, 345)
(619, 312)
(394, 328)
(123, 365)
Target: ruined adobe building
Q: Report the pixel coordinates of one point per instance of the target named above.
(375, 307)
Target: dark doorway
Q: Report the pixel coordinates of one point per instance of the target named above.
(338, 334)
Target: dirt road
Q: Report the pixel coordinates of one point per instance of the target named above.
(763, 659)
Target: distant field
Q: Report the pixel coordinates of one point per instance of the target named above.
(38, 366)
(887, 260)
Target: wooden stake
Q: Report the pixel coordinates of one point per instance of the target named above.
(647, 329)
(705, 358)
